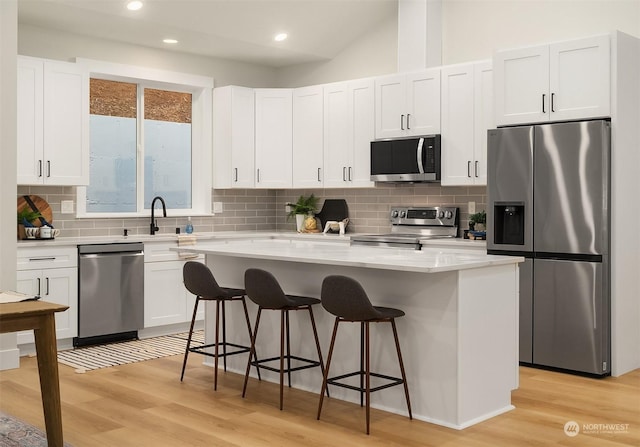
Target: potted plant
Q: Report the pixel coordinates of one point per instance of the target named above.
(26, 217)
(305, 206)
(478, 221)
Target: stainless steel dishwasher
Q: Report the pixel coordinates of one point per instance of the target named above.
(110, 292)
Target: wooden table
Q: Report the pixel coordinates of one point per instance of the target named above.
(39, 316)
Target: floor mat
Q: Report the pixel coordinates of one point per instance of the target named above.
(113, 354)
(16, 433)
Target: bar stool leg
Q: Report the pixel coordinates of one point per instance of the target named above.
(404, 377)
(282, 330)
(361, 363)
(215, 370)
(368, 371)
(252, 351)
(325, 376)
(186, 351)
(288, 356)
(224, 336)
(315, 336)
(246, 316)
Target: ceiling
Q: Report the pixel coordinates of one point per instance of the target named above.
(241, 30)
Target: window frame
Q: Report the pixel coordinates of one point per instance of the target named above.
(201, 89)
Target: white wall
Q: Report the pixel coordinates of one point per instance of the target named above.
(9, 355)
(473, 29)
(373, 54)
(50, 44)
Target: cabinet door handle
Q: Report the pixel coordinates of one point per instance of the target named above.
(469, 168)
(48, 168)
(319, 174)
(39, 168)
(408, 116)
(543, 98)
(258, 175)
(350, 177)
(344, 173)
(553, 95)
(47, 292)
(52, 258)
(476, 169)
(38, 286)
(235, 173)
(401, 122)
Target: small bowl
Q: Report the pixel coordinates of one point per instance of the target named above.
(31, 232)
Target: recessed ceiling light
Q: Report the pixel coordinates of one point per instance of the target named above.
(134, 5)
(169, 40)
(280, 37)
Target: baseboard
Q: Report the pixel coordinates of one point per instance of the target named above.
(9, 358)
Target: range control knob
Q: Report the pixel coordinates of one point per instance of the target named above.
(448, 214)
(440, 214)
(403, 213)
(394, 213)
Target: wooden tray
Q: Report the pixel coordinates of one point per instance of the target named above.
(43, 207)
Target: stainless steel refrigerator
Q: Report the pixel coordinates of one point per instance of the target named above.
(548, 200)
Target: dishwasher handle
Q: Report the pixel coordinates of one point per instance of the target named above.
(121, 254)
(125, 247)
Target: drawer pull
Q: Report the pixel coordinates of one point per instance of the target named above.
(43, 259)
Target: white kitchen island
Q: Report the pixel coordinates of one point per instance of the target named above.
(459, 337)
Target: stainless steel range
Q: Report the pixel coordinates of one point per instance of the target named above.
(410, 225)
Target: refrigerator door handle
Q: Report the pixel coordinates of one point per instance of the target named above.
(593, 303)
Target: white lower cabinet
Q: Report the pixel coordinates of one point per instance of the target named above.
(166, 300)
(41, 272)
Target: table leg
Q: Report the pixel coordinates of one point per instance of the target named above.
(46, 349)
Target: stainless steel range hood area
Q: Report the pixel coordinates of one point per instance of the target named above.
(412, 160)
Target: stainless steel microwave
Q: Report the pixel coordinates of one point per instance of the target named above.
(414, 159)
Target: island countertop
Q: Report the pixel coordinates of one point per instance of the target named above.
(427, 260)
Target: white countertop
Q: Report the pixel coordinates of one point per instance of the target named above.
(229, 235)
(427, 260)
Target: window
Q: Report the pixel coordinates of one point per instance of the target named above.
(147, 139)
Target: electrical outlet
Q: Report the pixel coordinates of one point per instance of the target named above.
(472, 207)
(218, 207)
(66, 207)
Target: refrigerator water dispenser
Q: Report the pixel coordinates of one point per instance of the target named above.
(509, 223)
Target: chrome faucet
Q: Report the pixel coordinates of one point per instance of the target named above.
(153, 225)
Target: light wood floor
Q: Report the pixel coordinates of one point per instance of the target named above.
(144, 404)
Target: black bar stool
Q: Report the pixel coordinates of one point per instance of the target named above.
(345, 298)
(199, 280)
(264, 290)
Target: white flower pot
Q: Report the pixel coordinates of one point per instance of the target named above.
(300, 222)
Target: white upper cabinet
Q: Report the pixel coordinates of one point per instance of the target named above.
(307, 137)
(556, 82)
(53, 123)
(407, 104)
(348, 131)
(274, 138)
(233, 137)
(467, 114)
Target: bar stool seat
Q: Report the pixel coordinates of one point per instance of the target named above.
(345, 298)
(199, 280)
(264, 290)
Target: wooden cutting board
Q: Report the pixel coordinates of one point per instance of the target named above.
(41, 204)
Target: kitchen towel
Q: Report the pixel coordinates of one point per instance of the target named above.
(185, 240)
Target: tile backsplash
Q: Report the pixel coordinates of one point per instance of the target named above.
(259, 209)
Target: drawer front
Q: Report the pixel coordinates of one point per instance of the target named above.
(31, 258)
